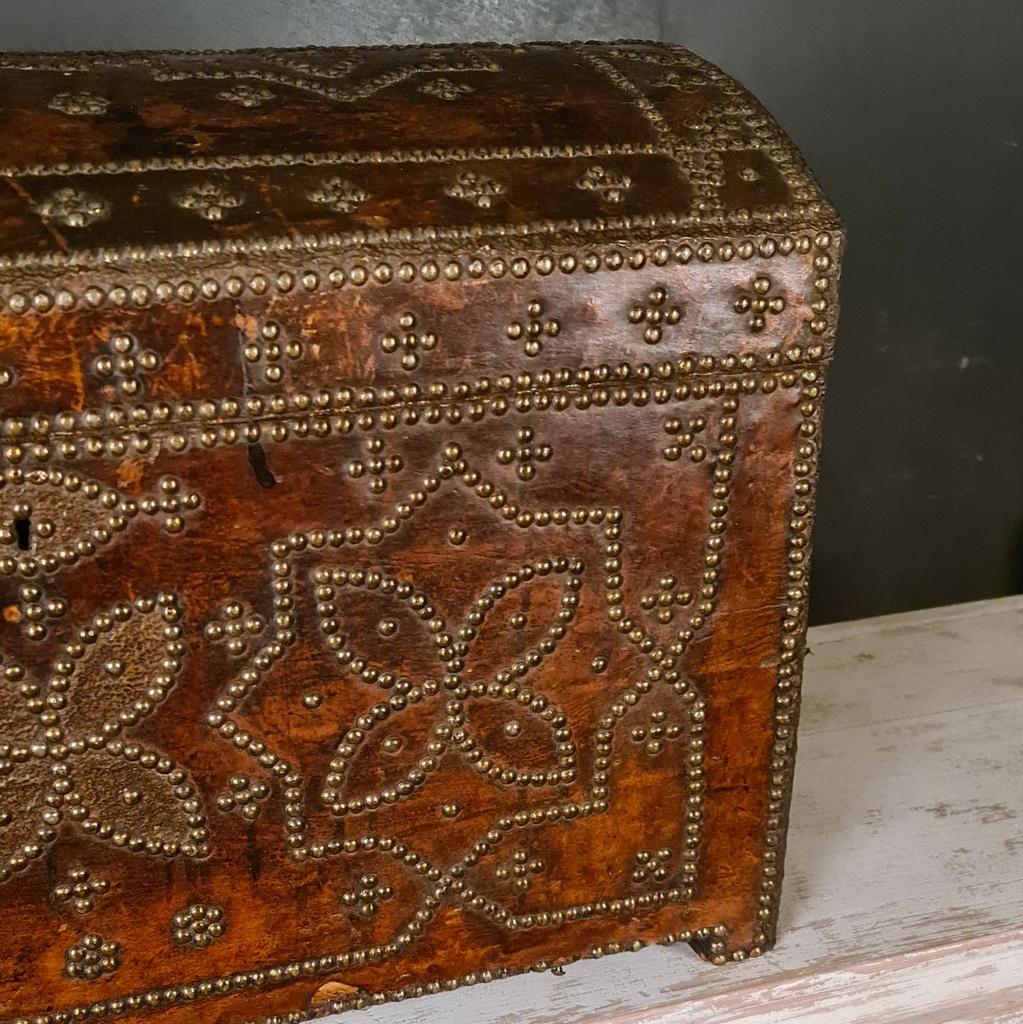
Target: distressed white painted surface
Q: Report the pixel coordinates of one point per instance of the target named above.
(903, 900)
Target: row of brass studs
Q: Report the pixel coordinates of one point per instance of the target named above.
(73, 207)
(311, 79)
(465, 60)
(793, 632)
(323, 413)
(446, 268)
(331, 158)
(264, 357)
(362, 1000)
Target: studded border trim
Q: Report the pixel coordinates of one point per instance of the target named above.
(303, 271)
(809, 209)
(362, 1000)
(331, 158)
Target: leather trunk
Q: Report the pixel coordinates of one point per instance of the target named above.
(408, 469)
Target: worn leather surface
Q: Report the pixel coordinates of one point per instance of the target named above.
(395, 587)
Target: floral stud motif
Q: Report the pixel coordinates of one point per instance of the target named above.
(665, 60)
(657, 730)
(610, 185)
(533, 328)
(759, 303)
(445, 706)
(66, 749)
(243, 795)
(79, 104)
(365, 898)
(478, 189)
(91, 958)
(246, 95)
(651, 865)
(73, 208)
(311, 61)
(526, 455)
(265, 356)
(656, 314)
(234, 627)
(519, 870)
(377, 467)
(691, 82)
(199, 925)
(341, 195)
(125, 362)
(684, 434)
(209, 200)
(80, 890)
(171, 505)
(38, 610)
(408, 342)
(663, 602)
(445, 89)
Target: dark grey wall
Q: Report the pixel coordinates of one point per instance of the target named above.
(202, 24)
(911, 113)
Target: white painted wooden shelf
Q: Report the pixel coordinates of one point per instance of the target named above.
(903, 898)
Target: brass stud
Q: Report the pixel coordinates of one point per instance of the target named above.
(656, 315)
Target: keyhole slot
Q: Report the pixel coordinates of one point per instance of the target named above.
(260, 467)
(23, 531)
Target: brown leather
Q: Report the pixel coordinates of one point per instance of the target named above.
(407, 482)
